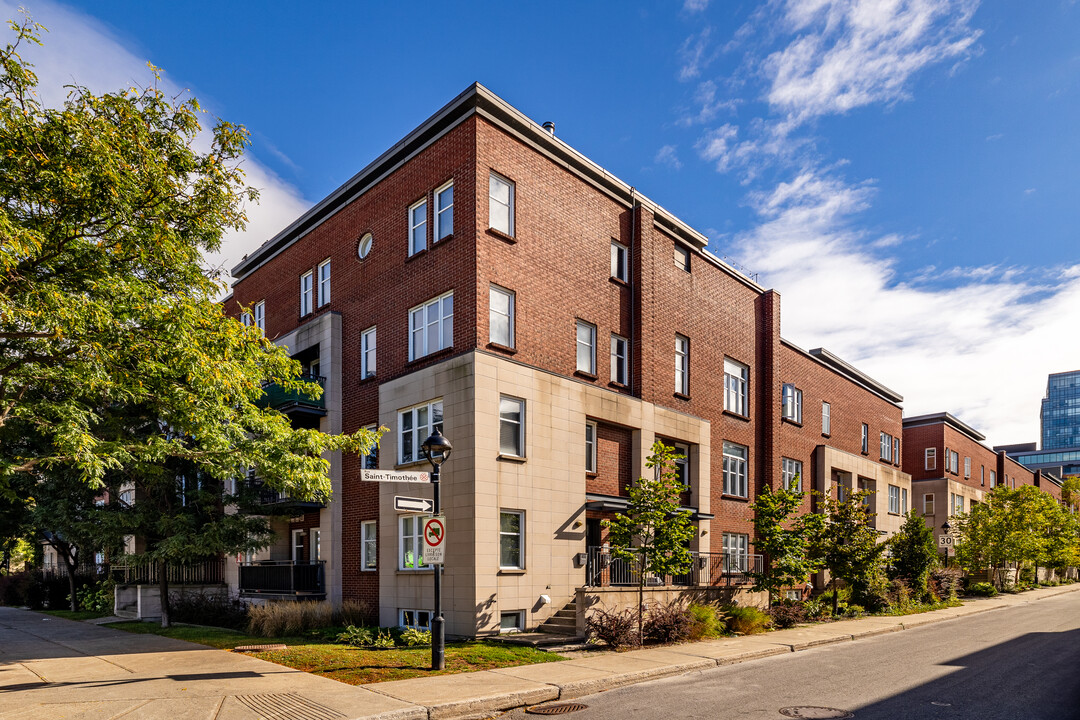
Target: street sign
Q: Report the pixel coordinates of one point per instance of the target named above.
(945, 541)
(434, 540)
(403, 476)
(411, 504)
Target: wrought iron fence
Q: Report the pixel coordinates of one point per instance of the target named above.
(602, 569)
(207, 572)
(273, 577)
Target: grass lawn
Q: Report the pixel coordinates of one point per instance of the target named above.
(80, 615)
(356, 666)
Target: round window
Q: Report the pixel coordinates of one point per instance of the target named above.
(363, 249)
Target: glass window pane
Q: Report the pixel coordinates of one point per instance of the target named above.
(510, 523)
(510, 551)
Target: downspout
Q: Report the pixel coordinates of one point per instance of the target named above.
(638, 349)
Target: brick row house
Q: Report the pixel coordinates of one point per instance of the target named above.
(483, 277)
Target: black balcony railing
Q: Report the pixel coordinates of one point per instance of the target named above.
(279, 398)
(280, 501)
(207, 572)
(281, 578)
(603, 569)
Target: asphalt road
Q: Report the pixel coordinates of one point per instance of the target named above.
(1018, 663)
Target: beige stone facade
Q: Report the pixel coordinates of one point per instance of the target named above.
(856, 472)
(944, 492)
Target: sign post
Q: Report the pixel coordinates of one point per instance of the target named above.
(416, 505)
(435, 540)
(437, 449)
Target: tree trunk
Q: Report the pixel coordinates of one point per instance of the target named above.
(641, 600)
(835, 595)
(69, 563)
(163, 591)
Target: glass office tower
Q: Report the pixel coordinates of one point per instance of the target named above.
(1060, 416)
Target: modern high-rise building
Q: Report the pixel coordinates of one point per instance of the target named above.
(1060, 414)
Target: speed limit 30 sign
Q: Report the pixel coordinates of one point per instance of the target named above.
(434, 540)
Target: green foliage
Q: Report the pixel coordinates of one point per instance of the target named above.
(816, 609)
(414, 636)
(1070, 492)
(278, 619)
(785, 542)
(846, 544)
(945, 582)
(98, 597)
(746, 620)
(706, 621)
(214, 609)
(982, 589)
(383, 641)
(355, 636)
(913, 553)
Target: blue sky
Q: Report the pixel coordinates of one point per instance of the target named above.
(905, 173)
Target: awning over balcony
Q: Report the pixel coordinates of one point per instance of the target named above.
(296, 402)
(613, 503)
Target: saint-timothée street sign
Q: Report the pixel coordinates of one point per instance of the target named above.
(403, 476)
(434, 540)
(411, 504)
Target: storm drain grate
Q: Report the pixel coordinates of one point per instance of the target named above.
(288, 706)
(559, 709)
(259, 648)
(810, 712)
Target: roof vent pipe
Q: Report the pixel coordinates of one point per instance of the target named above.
(550, 127)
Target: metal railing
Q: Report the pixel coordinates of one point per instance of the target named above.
(283, 577)
(602, 569)
(277, 397)
(207, 572)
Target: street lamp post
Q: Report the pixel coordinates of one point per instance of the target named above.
(437, 449)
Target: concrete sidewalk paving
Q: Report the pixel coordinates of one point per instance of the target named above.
(57, 668)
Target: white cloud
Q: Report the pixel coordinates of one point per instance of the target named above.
(79, 49)
(719, 146)
(694, 6)
(1030, 191)
(994, 137)
(709, 106)
(695, 54)
(667, 155)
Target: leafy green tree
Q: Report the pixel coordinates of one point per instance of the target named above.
(914, 552)
(846, 544)
(1070, 492)
(653, 534)
(784, 541)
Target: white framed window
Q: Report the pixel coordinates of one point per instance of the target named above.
(954, 461)
(369, 545)
(886, 446)
(590, 447)
(993, 478)
(967, 467)
(370, 461)
(958, 504)
(260, 315)
(620, 262)
(928, 504)
(982, 474)
(511, 426)
(903, 501)
(444, 211)
(791, 403)
(431, 326)
(619, 359)
(586, 347)
(682, 365)
(865, 438)
(414, 426)
(245, 318)
(298, 546)
(736, 377)
(418, 227)
(501, 204)
(501, 316)
(930, 459)
(791, 474)
(511, 539)
(682, 463)
(305, 293)
(315, 546)
(896, 451)
(682, 257)
(367, 353)
(324, 282)
(894, 499)
(735, 469)
(826, 418)
(736, 552)
(411, 545)
(513, 621)
(419, 619)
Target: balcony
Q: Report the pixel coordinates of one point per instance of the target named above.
(208, 572)
(279, 502)
(283, 579)
(602, 569)
(296, 403)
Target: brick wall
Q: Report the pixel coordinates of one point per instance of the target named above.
(614, 461)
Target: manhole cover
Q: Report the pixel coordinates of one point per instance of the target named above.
(560, 709)
(808, 712)
(259, 648)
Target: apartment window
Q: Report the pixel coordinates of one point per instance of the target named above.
(967, 467)
(245, 318)
(511, 426)
(865, 438)
(298, 546)
(444, 211)
(993, 478)
(419, 619)
(260, 315)
(886, 446)
(324, 282)
(315, 551)
(370, 461)
(418, 227)
(368, 544)
(511, 537)
(928, 504)
(954, 461)
(586, 347)
(896, 450)
(511, 621)
(367, 353)
(791, 474)
(305, 293)
(930, 459)
(414, 425)
(736, 376)
(791, 403)
(903, 501)
(682, 257)
(431, 326)
(735, 469)
(590, 447)
(412, 543)
(826, 418)
(619, 370)
(982, 474)
(682, 464)
(682, 365)
(620, 267)
(501, 316)
(894, 499)
(501, 204)
(736, 552)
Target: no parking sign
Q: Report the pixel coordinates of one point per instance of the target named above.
(434, 540)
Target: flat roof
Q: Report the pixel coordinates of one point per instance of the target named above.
(849, 371)
(950, 420)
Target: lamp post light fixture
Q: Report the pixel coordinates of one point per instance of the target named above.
(437, 449)
(946, 527)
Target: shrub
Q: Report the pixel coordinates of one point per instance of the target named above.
(853, 610)
(277, 619)
(816, 609)
(944, 582)
(383, 641)
(668, 623)
(617, 628)
(705, 621)
(413, 636)
(899, 595)
(746, 620)
(356, 636)
(982, 589)
(788, 613)
(354, 612)
(875, 593)
(97, 597)
(209, 609)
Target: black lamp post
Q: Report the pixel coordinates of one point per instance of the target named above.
(437, 449)
(946, 527)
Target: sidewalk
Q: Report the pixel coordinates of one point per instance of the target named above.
(57, 668)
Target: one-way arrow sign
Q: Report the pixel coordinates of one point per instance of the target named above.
(411, 504)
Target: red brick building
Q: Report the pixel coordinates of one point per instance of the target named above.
(484, 277)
